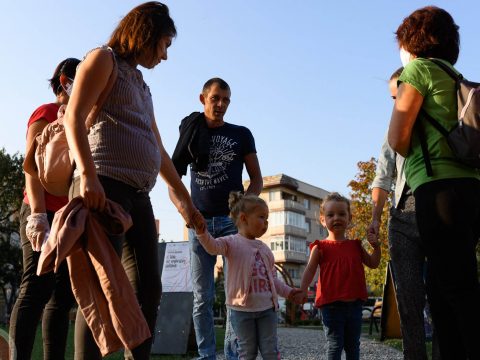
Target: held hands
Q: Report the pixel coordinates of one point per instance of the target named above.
(193, 218)
(298, 296)
(188, 212)
(199, 222)
(374, 227)
(37, 230)
(372, 238)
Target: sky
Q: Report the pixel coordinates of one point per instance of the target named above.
(308, 78)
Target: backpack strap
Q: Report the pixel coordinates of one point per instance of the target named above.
(434, 123)
(423, 145)
(448, 70)
(423, 138)
(420, 129)
(103, 96)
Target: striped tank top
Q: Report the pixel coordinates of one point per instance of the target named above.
(122, 141)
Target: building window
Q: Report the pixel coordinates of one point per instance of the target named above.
(288, 243)
(277, 243)
(306, 203)
(288, 196)
(308, 226)
(281, 218)
(273, 195)
(323, 231)
(294, 273)
(297, 244)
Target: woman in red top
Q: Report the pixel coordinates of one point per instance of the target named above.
(341, 286)
(49, 294)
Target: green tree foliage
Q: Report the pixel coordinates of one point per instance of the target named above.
(12, 183)
(361, 197)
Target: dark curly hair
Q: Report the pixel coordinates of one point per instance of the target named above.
(430, 32)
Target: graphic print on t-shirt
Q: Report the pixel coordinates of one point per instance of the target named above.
(222, 153)
(259, 283)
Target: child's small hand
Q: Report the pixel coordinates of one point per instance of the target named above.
(374, 227)
(199, 223)
(298, 296)
(373, 240)
(293, 294)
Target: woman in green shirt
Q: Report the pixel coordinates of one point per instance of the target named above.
(448, 200)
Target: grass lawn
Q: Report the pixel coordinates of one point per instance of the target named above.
(38, 351)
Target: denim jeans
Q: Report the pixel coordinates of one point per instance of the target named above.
(49, 293)
(202, 265)
(256, 330)
(342, 323)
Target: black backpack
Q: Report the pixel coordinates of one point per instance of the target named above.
(464, 138)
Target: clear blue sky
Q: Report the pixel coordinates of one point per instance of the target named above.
(309, 78)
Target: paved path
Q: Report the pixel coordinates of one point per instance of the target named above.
(309, 344)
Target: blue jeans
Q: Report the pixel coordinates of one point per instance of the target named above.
(256, 330)
(342, 323)
(202, 265)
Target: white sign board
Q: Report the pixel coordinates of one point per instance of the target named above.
(176, 276)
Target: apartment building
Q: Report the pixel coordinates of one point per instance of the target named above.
(293, 221)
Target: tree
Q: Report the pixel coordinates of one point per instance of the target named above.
(12, 183)
(361, 198)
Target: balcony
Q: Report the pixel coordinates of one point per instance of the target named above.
(277, 205)
(282, 256)
(286, 230)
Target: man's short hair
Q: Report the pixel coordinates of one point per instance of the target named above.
(220, 82)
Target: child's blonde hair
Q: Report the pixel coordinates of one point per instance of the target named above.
(334, 196)
(238, 202)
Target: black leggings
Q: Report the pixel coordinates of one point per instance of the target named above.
(49, 293)
(448, 218)
(138, 249)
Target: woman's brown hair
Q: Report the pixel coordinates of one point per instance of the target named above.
(140, 30)
(430, 32)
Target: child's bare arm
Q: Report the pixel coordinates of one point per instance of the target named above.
(218, 246)
(309, 273)
(372, 260)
